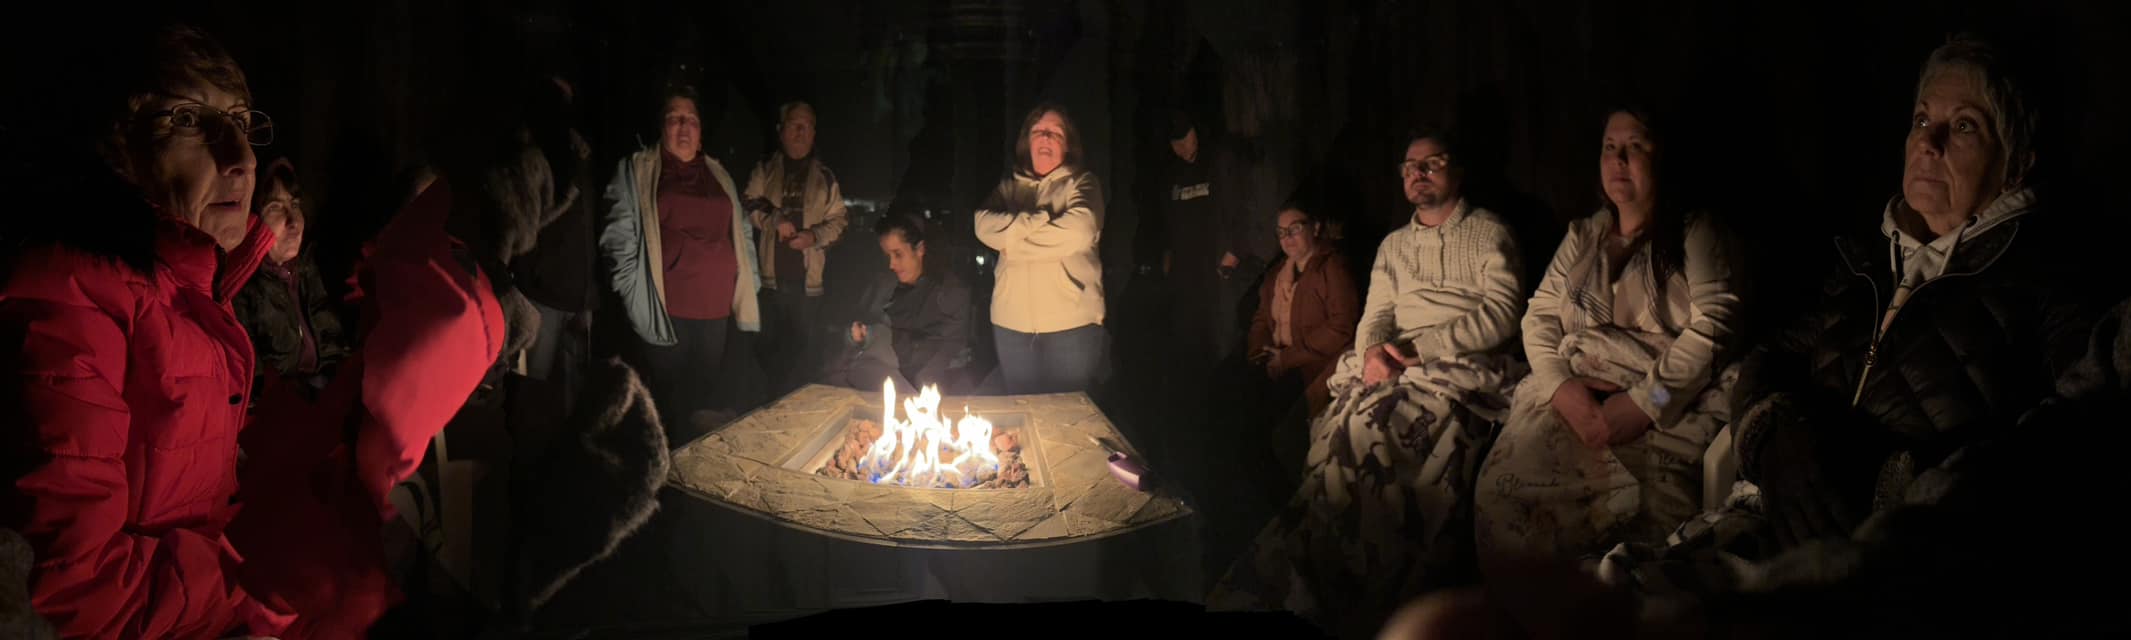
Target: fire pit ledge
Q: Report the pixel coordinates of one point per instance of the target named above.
(749, 465)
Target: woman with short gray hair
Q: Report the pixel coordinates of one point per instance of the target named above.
(124, 376)
(1940, 329)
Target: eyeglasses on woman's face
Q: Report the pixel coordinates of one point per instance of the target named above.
(212, 126)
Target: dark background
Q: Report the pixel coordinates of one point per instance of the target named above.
(1795, 111)
(1792, 115)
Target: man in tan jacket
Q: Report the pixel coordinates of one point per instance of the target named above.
(798, 212)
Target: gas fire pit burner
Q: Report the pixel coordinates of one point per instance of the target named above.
(851, 463)
(925, 449)
(987, 472)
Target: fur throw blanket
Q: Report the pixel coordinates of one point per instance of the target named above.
(17, 620)
(592, 488)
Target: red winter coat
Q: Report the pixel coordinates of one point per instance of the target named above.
(128, 390)
(316, 503)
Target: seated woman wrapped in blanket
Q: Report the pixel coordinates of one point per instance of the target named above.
(1392, 457)
(1629, 338)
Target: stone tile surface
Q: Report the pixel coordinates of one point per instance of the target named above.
(749, 496)
(1157, 511)
(1051, 528)
(740, 465)
(893, 516)
(1007, 513)
(837, 517)
(795, 494)
(1110, 501)
(942, 498)
(946, 527)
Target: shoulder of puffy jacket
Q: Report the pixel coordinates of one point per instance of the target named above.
(66, 275)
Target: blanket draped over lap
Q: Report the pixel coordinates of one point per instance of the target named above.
(1383, 511)
(1545, 494)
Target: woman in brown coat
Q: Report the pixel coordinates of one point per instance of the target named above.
(1249, 458)
(1308, 307)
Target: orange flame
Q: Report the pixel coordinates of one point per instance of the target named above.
(910, 452)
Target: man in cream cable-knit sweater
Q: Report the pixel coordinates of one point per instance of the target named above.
(1393, 456)
(1445, 285)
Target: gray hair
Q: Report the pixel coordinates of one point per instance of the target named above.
(784, 111)
(2013, 119)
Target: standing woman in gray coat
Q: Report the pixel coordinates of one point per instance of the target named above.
(681, 257)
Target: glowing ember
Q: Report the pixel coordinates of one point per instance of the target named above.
(926, 450)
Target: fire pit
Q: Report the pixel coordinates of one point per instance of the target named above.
(985, 472)
(1004, 471)
(925, 449)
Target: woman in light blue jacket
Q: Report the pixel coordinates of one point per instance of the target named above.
(681, 258)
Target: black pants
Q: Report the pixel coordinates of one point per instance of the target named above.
(682, 376)
(791, 327)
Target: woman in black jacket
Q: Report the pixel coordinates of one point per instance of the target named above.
(1935, 333)
(913, 321)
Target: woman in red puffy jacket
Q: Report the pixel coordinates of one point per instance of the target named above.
(124, 375)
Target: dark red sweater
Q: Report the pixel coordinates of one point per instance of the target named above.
(696, 240)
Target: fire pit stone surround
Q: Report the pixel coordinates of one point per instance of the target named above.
(757, 464)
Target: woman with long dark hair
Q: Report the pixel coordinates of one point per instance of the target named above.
(913, 322)
(1629, 337)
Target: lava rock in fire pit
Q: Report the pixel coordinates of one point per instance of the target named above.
(849, 462)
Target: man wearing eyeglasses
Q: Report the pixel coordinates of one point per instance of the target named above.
(1445, 285)
(1411, 406)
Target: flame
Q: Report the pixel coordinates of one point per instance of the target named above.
(910, 452)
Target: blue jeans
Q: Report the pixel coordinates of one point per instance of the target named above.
(1056, 362)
